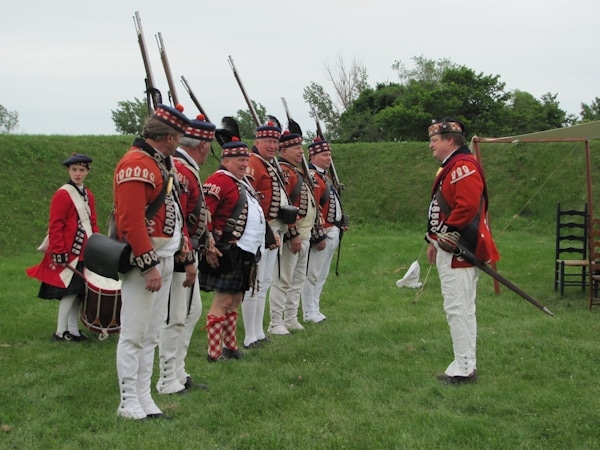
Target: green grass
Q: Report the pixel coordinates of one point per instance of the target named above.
(386, 183)
(363, 379)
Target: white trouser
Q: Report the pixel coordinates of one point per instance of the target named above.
(143, 315)
(459, 289)
(253, 306)
(319, 263)
(176, 335)
(288, 280)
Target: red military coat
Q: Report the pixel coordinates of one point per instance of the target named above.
(66, 237)
(266, 186)
(222, 193)
(302, 197)
(138, 181)
(458, 197)
(325, 194)
(191, 197)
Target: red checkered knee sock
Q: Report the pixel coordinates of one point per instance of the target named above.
(214, 331)
(229, 330)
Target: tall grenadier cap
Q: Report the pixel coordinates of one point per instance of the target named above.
(173, 117)
(78, 158)
(200, 129)
(235, 147)
(318, 146)
(268, 130)
(446, 125)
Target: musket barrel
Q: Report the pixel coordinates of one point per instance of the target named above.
(304, 162)
(151, 91)
(167, 68)
(241, 85)
(193, 97)
(461, 251)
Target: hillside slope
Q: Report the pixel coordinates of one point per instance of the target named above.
(386, 183)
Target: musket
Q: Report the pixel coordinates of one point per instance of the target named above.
(470, 257)
(202, 111)
(253, 112)
(304, 162)
(339, 187)
(153, 96)
(167, 68)
(248, 101)
(193, 97)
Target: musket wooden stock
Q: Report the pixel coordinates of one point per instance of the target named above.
(470, 257)
(154, 97)
(167, 68)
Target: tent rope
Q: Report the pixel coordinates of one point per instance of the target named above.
(538, 190)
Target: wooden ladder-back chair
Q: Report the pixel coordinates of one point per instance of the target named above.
(594, 272)
(571, 256)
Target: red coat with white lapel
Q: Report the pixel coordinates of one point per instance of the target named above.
(62, 232)
(462, 185)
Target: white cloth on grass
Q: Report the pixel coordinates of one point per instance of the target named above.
(411, 279)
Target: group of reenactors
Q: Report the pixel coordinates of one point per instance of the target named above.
(259, 223)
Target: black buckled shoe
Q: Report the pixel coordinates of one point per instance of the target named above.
(81, 338)
(160, 416)
(252, 345)
(210, 359)
(447, 379)
(190, 384)
(66, 336)
(232, 354)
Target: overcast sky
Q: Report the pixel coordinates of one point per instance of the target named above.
(65, 64)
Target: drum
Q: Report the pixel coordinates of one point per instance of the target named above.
(101, 310)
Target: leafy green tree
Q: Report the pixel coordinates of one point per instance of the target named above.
(348, 82)
(425, 70)
(9, 120)
(321, 103)
(475, 99)
(130, 116)
(590, 112)
(246, 122)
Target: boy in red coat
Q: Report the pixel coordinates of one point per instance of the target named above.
(72, 221)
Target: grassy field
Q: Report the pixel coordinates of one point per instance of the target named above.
(386, 183)
(363, 379)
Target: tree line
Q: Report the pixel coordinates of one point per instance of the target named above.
(400, 111)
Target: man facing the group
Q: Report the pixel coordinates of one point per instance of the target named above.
(458, 218)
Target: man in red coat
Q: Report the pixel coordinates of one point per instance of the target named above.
(458, 216)
(266, 181)
(289, 277)
(144, 174)
(238, 223)
(324, 244)
(185, 306)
